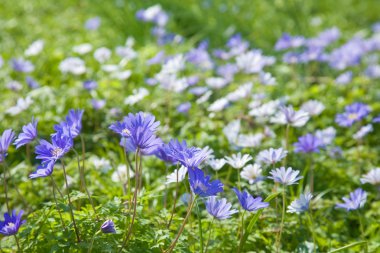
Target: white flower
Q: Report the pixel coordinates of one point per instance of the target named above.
(204, 97)
(372, 177)
(326, 136)
(231, 131)
(271, 156)
(126, 52)
(171, 82)
(102, 54)
(252, 173)
(137, 95)
(82, 48)
(267, 78)
(216, 82)
(174, 65)
(121, 75)
(265, 110)
(300, 205)
(35, 48)
(101, 163)
(172, 178)
(285, 176)
(22, 104)
(288, 116)
(14, 85)
(313, 107)
(218, 105)
(72, 65)
(216, 164)
(363, 131)
(251, 62)
(242, 92)
(120, 175)
(238, 160)
(249, 140)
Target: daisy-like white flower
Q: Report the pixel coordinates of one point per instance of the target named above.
(216, 164)
(238, 160)
(313, 107)
(252, 173)
(363, 131)
(177, 176)
(288, 116)
(372, 177)
(220, 209)
(285, 176)
(300, 205)
(271, 156)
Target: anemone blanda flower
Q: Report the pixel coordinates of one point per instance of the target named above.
(308, 144)
(220, 209)
(201, 184)
(252, 173)
(248, 202)
(313, 107)
(162, 155)
(108, 227)
(216, 164)
(353, 113)
(356, 200)
(90, 85)
(51, 152)
(372, 177)
(21, 65)
(73, 124)
(326, 136)
(271, 156)
(301, 204)
(376, 119)
(238, 160)
(288, 116)
(5, 141)
(43, 170)
(285, 176)
(29, 133)
(92, 23)
(177, 176)
(11, 223)
(133, 121)
(363, 131)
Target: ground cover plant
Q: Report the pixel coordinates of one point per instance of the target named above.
(197, 126)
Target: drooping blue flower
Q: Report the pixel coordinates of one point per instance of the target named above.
(51, 152)
(73, 124)
(29, 133)
(308, 144)
(248, 202)
(356, 200)
(43, 170)
(300, 205)
(353, 113)
(108, 227)
(11, 223)
(201, 185)
(220, 209)
(5, 140)
(285, 176)
(189, 157)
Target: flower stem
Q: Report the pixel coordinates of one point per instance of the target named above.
(175, 201)
(239, 183)
(311, 174)
(5, 186)
(128, 179)
(286, 142)
(200, 227)
(242, 233)
(282, 219)
(172, 245)
(56, 203)
(92, 241)
(209, 230)
(362, 230)
(17, 243)
(70, 204)
(56, 187)
(310, 216)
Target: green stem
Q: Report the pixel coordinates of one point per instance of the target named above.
(92, 241)
(128, 179)
(5, 185)
(362, 230)
(200, 227)
(310, 216)
(282, 219)
(175, 200)
(286, 143)
(56, 203)
(209, 230)
(70, 203)
(242, 233)
(17, 243)
(239, 183)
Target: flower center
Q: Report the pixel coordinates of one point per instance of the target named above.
(353, 116)
(11, 225)
(57, 152)
(126, 132)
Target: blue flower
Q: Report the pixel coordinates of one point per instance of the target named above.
(285, 177)
(133, 121)
(5, 140)
(108, 227)
(248, 202)
(11, 223)
(357, 200)
(92, 23)
(189, 157)
(33, 84)
(29, 133)
(43, 170)
(73, 124)
(220, 209)
(161, 154)
(353, 113)
(308, 144)
(21, 65)
(300, 205)
(201, 185)
(90, 85)
(51, 152)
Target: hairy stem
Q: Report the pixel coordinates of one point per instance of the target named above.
(56, 203)
(282, 219)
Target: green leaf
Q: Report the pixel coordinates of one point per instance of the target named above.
(348, 246)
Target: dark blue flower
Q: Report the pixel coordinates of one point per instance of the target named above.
(11, 223)
(108, 227)
(51, 152)
(29, 133)
(133, 121)
(43, 170)
(248, 202)
(220, 209)
(5, 140)
(308, 144)
(353, 113)
(161, 154)
(201, 185)
(73, 124)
